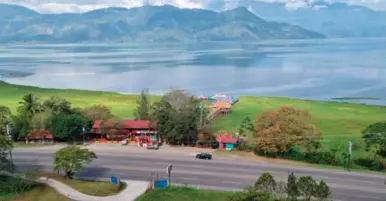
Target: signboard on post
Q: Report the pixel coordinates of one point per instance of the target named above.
(115, 180)
(169, 170)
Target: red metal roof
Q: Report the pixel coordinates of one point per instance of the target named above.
(37, 135)
(133, 124)
(228, 139)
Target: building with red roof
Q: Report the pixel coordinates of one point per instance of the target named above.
(227, 141)
(139, 131)
(43, 136)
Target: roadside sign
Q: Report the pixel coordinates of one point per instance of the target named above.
(169, 168)
(349, 147)
(115, 180)
(160, 183)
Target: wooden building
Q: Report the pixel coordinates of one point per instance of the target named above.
(227, 142)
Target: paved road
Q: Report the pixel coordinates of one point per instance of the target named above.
(220, 173)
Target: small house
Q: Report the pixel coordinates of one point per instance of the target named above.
(40, 136)
(227, 142)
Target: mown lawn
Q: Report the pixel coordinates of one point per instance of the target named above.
(42, 192)
(121, 105)
(95, 188)
(338, 122)
(184, 194)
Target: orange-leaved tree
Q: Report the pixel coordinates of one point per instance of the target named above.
(275, 131)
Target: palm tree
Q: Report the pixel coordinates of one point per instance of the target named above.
(30, 105)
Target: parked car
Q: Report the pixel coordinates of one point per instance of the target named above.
(153, 146)
(206, 156)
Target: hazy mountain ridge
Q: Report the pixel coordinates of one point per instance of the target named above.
(332, 20)
(147, 23)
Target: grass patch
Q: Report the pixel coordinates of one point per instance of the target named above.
(338, 122)
(94, 188)
(120, 104)
(39, 193)
(184, 194)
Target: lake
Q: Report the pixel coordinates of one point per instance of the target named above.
(309, 69)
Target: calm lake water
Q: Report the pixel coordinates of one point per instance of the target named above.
(310, 69)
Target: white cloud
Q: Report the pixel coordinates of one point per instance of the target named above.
(58, 6)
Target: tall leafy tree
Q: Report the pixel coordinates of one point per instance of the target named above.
(72, 159)
(5, 148)
(30, 105)
(142, 111)
(42, 120)
(58, 105)
(66, 127)
(276, 131)
(375, 138)
(97, 112)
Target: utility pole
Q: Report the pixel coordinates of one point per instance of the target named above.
(201, 111)
(83, 130)
(9, 132)
(349, 155)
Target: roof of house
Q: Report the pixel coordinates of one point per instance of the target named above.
(228, 139)
(133, 124)
(222, 105)
(36, 135)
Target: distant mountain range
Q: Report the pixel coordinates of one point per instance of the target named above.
(147, 23)
(332, 20)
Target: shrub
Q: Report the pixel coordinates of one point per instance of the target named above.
(370, 163)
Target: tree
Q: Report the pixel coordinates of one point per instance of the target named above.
(65, 127)
(322, 191)
(42, 120)
(249, 194)
(58, 105)
(5, 148)
(97, 112)
(5, 118)
(306, 186)
(30, 105)
(292, 188)
(177, 117)
(266, 183)
(72, 159)
(276, 131)
(245, 127)
(142, 111)
(375, 138)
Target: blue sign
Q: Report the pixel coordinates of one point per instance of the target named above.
(115, 180)
(161, 183)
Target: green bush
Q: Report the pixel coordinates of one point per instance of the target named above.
(370, 163)
(12, 185)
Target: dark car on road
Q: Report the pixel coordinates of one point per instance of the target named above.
(153, 146)
(206, 156)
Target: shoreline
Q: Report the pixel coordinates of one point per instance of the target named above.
(370, 101)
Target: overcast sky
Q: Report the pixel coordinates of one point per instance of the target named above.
(58, 6)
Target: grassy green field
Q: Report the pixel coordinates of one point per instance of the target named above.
(184, 194)
(338, 122)
(121, 105)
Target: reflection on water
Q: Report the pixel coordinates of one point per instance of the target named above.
(311, 69)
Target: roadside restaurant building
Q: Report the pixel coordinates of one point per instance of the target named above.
(140, 132)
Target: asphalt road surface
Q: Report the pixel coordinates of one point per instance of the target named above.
(219, 173)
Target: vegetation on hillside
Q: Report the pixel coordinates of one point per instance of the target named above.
(316, 132)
